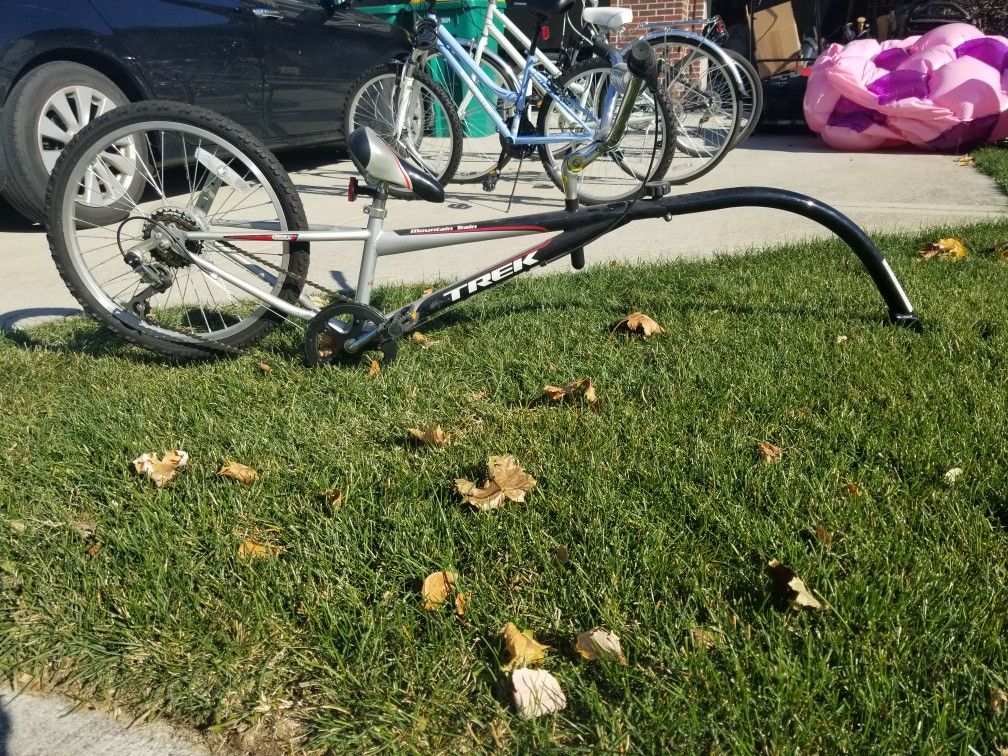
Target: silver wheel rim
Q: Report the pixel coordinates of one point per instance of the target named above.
(64, 114)
(208, 298)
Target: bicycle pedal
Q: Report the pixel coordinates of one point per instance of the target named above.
(490, 182)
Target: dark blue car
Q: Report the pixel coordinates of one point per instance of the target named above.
(282, 68)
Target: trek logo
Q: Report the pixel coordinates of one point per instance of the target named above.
(441, 229)
(497, 275)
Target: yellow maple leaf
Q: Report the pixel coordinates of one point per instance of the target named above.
(436, 588)
(237, 471)
(434, 435)
(160, 470)
(786, 585)
(507, 480)
(522, 647)
(638, 323)
(584, 388)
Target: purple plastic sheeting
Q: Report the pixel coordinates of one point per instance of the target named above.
(891, 58)
(898, 85)
(855, 117)
(988, 50)
(966, 135)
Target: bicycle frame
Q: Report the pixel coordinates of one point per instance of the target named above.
(468, 69)
(577, 229)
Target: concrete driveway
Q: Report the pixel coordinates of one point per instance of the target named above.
(879, 190)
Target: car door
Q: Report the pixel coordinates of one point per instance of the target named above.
(311, 59)
(198, 51)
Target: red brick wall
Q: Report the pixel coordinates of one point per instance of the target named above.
(651, 11)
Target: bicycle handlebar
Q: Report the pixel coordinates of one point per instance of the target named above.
(641, 60)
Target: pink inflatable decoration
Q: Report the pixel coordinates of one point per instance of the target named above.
(945, 90)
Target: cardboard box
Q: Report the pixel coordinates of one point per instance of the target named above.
(775, 40)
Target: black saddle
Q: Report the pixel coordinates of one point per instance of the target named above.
(378, 161)
(545, 8)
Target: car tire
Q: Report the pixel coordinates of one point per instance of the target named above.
(36, 101)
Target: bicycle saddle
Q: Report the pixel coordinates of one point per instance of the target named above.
(377, 160)
(607, 18)
(544, 7)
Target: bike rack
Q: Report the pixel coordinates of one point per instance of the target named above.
(901, 312)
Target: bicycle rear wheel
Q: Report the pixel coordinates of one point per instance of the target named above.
(643, 154)
(705, 107)
(751, 103)
(431, 134)
(200, 172)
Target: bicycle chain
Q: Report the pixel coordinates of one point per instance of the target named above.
(216, 346)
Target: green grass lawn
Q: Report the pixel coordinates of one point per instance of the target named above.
(119, 592)
(993, 160)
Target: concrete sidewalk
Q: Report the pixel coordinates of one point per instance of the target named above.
(879, 190)
(42, 725)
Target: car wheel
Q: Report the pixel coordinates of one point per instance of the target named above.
(43, 112)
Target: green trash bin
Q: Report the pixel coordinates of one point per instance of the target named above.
(464, 19)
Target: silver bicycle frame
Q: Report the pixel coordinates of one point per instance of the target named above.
(473, 75)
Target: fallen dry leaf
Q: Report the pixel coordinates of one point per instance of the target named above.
(17, 526)
(523, 648)
(851, 489)
(418, 338)
(769, 452)
(824, 536)
(250, 549)
(786, 585)
(333, 498)
(964, 160)
(560, 554)
(706, 639)
(460, 603)
(479, 396)
(374, 369)
(436, 588)
(237, 471)
(160, 470)
(434, 436)
(427, 291)
(583, 388)
(998, 700)
(952, 248)
(94, 548)
(507, 480)
(1001, 250)
(952, 475)
(536, 692)
(265, 368)
(599, 644)
(639, 323)
(841, 339)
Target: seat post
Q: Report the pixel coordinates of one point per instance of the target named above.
(369, 257)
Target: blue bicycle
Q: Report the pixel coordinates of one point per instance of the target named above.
(406, 104)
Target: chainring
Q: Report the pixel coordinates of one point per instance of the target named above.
(336, 324)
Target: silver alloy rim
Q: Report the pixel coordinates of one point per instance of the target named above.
(64, 114)
(155, 177)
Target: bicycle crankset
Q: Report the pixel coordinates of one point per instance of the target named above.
(339, 323)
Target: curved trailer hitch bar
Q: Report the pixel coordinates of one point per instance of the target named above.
(901, 312)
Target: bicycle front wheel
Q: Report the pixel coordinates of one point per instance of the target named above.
(199, 171)
(481, 142)
(642, 155)
(429, 134)
(705, 107)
